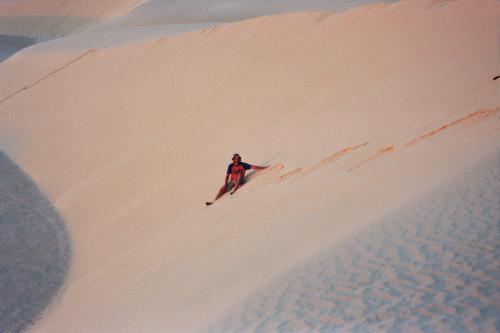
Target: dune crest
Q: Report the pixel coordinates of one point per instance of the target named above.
(56, 18)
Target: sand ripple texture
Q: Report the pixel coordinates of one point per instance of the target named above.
(34, 249)
(431, 267)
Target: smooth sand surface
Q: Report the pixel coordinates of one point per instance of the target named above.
(359, 113)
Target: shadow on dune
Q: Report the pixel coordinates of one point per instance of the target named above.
(251, 173)
(34, 249)
(11, 44)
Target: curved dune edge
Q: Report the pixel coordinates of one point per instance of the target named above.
(129, 142)
(35, 250)
(78, 25)
(12, 44)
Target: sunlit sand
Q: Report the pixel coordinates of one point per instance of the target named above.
(381, 127)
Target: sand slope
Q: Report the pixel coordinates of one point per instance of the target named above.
(429, 266)
(54, 18)
(35, 251)
(77, 25)
(358, 113)
(158, 12)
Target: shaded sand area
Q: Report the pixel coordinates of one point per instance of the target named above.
(430, 266)
(34, 249)
(11, 44)
(359, 114)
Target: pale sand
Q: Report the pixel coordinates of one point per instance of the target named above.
(430, 266)
(361, 113)
(159, 12)
(34, 249)
(78, 25)
(55, 18)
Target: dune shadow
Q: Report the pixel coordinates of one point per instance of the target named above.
(11, 44)
(251, 173)
(35, 249)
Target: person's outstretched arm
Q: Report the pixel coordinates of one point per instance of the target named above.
(257, 167)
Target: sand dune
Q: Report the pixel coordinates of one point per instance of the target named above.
(429, 266)
(160, 12)
(78, 25)
(34, 249)
(54, 18)
(11, 44)
(359, 113)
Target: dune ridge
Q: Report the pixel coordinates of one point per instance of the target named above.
(55, 18)
(77, 25)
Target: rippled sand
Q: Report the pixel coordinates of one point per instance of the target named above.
(432, 267)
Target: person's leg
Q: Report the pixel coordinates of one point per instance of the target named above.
(224, 189)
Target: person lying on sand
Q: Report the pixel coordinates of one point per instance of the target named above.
(235, 176)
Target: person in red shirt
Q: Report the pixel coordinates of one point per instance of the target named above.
(235, 176)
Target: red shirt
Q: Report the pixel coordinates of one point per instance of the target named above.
(235, 170)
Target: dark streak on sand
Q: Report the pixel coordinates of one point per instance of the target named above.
(55, 71)
(34, 249)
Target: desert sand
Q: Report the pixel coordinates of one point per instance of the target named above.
(79, 24)
(55, 18)
(428, 266)
(35, 249)
(373, 119)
